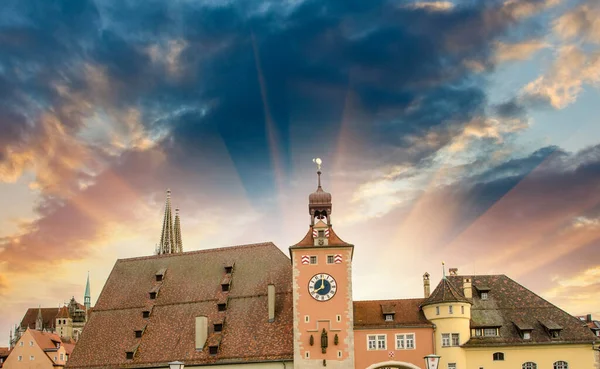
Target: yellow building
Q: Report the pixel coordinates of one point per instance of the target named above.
(491, 321)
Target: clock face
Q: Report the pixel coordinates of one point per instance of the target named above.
(322, 287)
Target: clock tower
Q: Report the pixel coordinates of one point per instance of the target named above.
(322, 290)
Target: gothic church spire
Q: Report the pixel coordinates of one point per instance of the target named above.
(177, 232)
(86, 297)
(170, 238)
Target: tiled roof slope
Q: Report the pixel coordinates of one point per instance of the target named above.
(191, 287)
(333, 240)
(407, 313)
(509, 304)
(45, 340)
(48, 316)
(445, 292)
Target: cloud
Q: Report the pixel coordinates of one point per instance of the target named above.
(518, 51)
(564, 81)
(582, 22)
(431, 5)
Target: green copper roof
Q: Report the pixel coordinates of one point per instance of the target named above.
(87, 287)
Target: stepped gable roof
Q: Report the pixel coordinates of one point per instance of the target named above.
(191, 288)
(445, 292)
(333, 240)
(48, 316)
(407, 313)
(513, 308)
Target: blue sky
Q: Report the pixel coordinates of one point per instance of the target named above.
(459, 131)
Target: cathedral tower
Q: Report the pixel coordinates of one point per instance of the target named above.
(322, 290)
(170, 237)
(87, 299)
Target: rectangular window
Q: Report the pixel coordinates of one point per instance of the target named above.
(400, 342)
(490, 332)
(526, 335)
(20, 358)
(450, 309)
(478, 332)
(338, 318)
(307, 355)
(445, 339)
(451, 365)
(462, 309)
(306, 319)
(371, 342)
(389, 318)
(313, 259)
(30, 343)
(410, 341)
(455, 339)
(330, 259)
(321, 233)
(31, 357)
(437, 310)
(21, 343)
(381, 342)
(484, 295)
(62, 356)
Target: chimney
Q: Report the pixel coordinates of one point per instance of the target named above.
(271, 301)
(201, 331)
(467, 288)
(588, 318)
(426, 291)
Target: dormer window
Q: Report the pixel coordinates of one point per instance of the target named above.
(160, 274)
(213, 350)
(154, 292)
(524, 329)
(555, 333)
(129, 355)
(225, 287)
(222, 306)
(484, 295)
(526, 335)
(228, 269)
(552, 328)
(483, 292)
(218, 327)
(146, 314)
(389, 317)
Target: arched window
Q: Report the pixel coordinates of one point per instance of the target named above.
(561, 365)
(498, 356)
(529, 365)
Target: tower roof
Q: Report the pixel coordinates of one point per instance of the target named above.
(319, 198)
(87, 286)
(445, 292)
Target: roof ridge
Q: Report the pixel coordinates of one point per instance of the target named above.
(215, 249)
(400, 299)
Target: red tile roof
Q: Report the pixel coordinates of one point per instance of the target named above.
(407, 313)
(191, 288)
(333, 240)
(48, 316)
(45, 340)
(4, 351)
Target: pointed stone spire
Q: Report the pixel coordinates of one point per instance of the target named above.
(177, 232)
(39, 322)
(87, 299)
(167, 243)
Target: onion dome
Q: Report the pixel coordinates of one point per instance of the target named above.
(319, 197)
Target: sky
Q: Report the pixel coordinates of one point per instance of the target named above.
(459, 131)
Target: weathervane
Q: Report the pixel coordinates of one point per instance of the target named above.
(318, 161)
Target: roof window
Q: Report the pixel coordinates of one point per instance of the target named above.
(161, 274)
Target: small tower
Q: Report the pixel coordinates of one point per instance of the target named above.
(87, 299)
(319, 202)
(177, 232)
(39, 322)
(450, 311)
(167, 241)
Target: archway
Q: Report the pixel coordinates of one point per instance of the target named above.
(393, 364)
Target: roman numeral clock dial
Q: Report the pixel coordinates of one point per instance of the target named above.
(322, 287)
